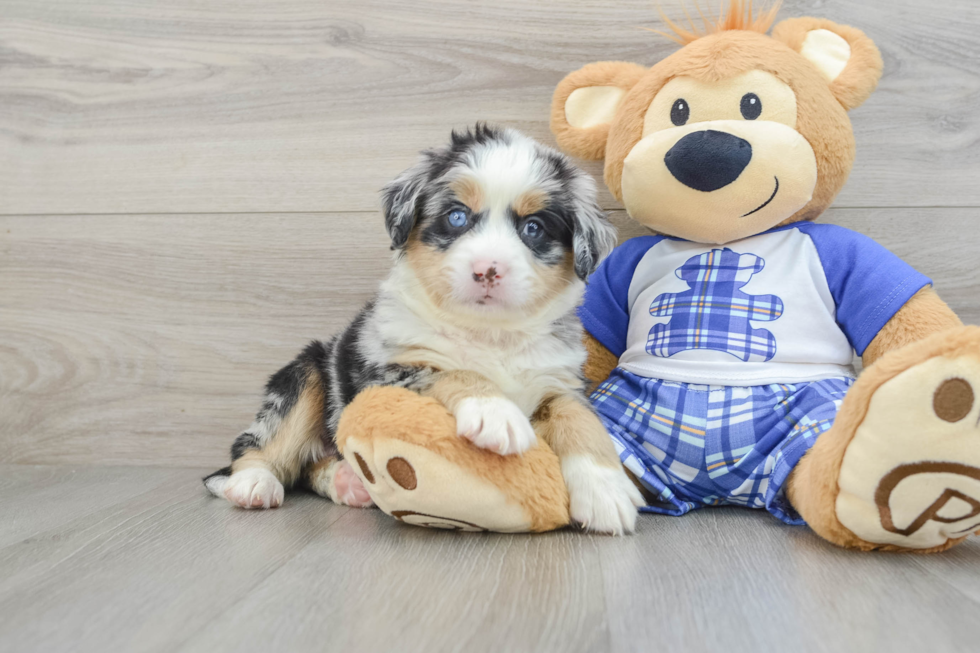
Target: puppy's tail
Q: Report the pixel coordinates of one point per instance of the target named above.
(215, 481)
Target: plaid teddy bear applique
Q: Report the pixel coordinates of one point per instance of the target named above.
(715, 313)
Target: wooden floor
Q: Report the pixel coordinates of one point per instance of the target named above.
(138, 559)
(188, 194)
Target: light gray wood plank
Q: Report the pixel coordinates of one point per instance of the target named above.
(174, 566)
(129, 340)
(378, 585)
(173, 569)
(39, 498)
(957, 569)
(304, 105)
(147, 339)
(734, 579)
(147, 574)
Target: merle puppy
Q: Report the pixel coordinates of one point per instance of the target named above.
(494, 236)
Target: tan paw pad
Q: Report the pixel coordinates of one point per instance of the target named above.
(911, 475)
(431, 490)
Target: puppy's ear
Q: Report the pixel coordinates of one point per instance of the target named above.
(401, 200)
(594, 236)
(585, 102)
(847, 58)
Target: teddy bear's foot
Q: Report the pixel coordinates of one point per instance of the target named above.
(406, 450)
(900, 469)
(415, 486)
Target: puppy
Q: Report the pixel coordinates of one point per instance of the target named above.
(494, 236)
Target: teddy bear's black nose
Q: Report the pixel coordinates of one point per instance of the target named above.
(708, 160)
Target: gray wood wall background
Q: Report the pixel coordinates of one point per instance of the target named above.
(188, 190)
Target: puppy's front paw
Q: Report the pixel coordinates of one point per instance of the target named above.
(494, 423)
(254, 488)
(603, 499)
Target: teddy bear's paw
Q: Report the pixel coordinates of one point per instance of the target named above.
(910, 476)
(603, 499)
(254, 488)
(495, 424)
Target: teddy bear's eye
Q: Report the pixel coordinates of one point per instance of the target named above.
(680, 112)
(751, 106)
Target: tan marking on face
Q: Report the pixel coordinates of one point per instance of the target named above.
(551, 280)
(430, 267)
(530, 202)
(469, 191)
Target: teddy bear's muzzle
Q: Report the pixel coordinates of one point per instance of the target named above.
(718, 181)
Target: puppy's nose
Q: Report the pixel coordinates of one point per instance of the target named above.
(708, 160)
(487, 270)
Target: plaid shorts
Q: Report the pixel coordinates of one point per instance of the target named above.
(700, 445)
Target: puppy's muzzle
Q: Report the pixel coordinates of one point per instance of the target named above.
(488, 271)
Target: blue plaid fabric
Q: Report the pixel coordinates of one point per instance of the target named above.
(715, 313)
(699, 445)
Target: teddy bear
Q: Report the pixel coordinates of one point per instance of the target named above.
(720, 345)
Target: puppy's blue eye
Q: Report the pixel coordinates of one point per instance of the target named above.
(532, 229)
(457, 218)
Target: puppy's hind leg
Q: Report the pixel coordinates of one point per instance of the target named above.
(334, 478)
(288, 434)
(260, 476)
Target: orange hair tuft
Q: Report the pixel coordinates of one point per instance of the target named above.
(739, 16)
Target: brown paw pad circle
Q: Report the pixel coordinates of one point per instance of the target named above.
(953, 400)
(402, 473)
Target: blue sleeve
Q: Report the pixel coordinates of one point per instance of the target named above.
(605, 311)
(869, 283)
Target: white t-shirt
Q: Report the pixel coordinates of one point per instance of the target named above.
(786, 306)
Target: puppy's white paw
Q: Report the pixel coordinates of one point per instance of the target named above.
(494, 423)
(254, 488)
(603, 499)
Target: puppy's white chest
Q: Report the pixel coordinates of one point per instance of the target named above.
(526, 373)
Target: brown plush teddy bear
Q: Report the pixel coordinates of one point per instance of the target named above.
(720, 349)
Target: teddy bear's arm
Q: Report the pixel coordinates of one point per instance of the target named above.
(923, 315)
(599, 364)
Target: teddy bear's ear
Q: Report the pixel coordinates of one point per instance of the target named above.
(585, 103)
(845, 56)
